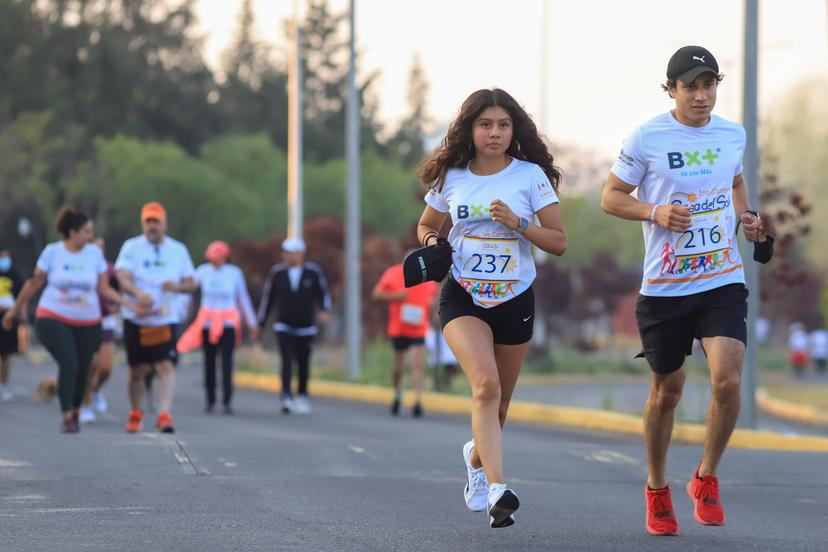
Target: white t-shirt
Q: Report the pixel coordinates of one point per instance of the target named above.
(798, 342)
(224, 288)
(491, 262)
(438, 350)
(294, 274)
(151, 265)
(819, 343)
(71, 292)
(672, 163)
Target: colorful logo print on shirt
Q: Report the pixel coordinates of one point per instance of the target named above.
(679, 160)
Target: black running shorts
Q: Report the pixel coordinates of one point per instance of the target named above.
(9, 339)
(402, 344)
(511, 322)
(140, 354)
(668, 325)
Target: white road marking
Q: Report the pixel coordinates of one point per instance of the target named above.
(4, 463)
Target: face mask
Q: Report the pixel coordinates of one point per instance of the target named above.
(5, 263)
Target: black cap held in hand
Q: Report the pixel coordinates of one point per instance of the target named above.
(690, 62)
(763, 251)
(427, 263)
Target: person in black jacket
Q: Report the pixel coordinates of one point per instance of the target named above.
(10, 286)
(298, 292)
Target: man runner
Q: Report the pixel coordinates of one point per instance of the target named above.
(153, 268)
(686, 166)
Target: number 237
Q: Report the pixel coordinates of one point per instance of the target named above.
(488, 263)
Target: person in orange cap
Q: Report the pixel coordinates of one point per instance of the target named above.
(217, 327)
(153, 268)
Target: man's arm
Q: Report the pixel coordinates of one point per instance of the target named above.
(324, 297)
(127, 285)
(185, 285)
(268, 297)
(381, 291)
(751, 225)
(617, 201)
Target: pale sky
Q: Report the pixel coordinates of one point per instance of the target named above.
(605, 59)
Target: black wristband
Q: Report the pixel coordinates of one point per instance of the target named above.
(428, 235)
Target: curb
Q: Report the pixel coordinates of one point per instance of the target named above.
(545, 414)
(787, 410)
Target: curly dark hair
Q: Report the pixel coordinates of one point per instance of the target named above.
(457, 148)
(68, 219)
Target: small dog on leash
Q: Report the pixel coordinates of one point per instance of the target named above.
(46, 390)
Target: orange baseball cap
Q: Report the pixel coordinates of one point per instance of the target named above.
(153, 210)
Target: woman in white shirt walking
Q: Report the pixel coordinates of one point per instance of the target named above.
(68, 316)
(225, 303)
(492, 174)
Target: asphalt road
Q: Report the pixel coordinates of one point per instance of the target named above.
(350, 477)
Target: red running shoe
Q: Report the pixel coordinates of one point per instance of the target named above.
(660, 519)
(135, 421)
(164, 423)
(704, 493)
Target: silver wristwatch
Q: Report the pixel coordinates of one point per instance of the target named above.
(523, 225)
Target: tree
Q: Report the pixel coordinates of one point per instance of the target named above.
(795, 146)
(254, 170)
(39, 154)
(325, 87)
(790, 283)
(407, 143)
(253, 96)
(125, 66)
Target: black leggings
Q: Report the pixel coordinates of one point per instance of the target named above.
(294, 347)
(227, 343)
(72, 347)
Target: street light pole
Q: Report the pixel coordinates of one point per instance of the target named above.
(353, 295)
(295, 207)
(748, 415)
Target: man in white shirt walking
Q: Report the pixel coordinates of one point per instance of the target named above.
(153, 268)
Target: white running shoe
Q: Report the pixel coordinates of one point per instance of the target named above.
(477, 487)
(87, 415)
(287, 405)
(502, 505)
(5, 394)
(302, 405)
(99, 402)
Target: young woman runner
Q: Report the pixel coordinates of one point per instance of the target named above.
(492, 174)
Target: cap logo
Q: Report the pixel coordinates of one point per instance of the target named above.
(701, 59)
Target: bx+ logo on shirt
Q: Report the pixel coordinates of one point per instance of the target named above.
(157, 263)
(677, 160)
(466, 211)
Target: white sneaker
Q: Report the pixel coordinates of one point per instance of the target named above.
(99, 402)
(502, 505)
(5, 394)
(87, 415)
(287, 405)
(477, 487)
(302, 405)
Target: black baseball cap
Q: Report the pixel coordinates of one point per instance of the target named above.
(427, 263)
(689, 62)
